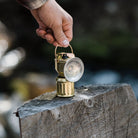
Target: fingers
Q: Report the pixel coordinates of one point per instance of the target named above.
(50, 39)
(41, 33)
(68, 32)
(68, 27)
(55, 44)
(60, 36)
(45, 35)
(48, 35)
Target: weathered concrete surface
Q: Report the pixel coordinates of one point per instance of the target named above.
(105, 111)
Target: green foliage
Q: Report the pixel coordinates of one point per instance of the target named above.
(90, 47)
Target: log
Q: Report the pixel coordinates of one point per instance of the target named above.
(96, 111)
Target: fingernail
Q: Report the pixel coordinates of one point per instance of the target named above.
(65, 42)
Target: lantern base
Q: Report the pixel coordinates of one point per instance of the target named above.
(64, 88)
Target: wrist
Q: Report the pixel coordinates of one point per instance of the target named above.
(47, 4)
(37, 4)
(32, 4)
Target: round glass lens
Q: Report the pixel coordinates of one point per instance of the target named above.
(73, 69)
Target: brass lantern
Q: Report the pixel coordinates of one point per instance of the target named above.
(70, 69)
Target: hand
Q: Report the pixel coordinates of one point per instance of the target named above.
(55, 24)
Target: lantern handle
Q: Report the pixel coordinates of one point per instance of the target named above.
(58, 46)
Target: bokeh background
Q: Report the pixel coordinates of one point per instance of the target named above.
(105, 38)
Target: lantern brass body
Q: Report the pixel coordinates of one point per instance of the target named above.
(65, 88)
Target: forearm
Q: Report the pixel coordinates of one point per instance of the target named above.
(32, 4)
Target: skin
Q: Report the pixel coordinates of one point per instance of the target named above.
(55, 24)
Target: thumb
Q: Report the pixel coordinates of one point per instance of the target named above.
(60, 36)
